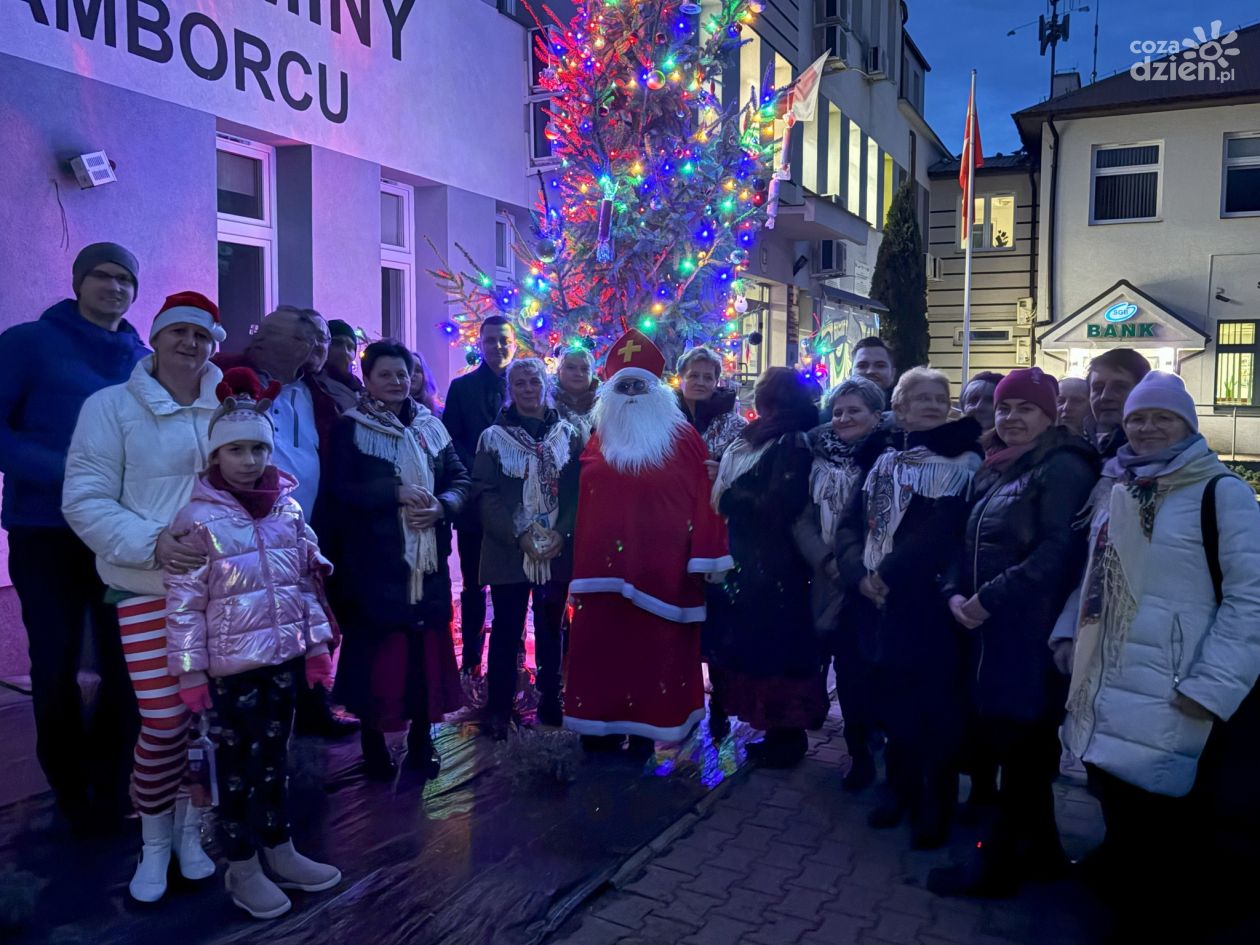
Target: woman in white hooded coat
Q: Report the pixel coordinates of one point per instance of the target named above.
(1163, 707)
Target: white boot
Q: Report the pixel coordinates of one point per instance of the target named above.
(149, 882)
(193, 862)
(250, 889)
(292, 870)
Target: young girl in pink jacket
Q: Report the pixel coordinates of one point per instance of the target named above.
(243, 631)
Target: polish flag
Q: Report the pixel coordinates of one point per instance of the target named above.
(971, 151)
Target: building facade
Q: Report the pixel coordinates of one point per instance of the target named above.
(1004, 266)
(1150, 228)
(264, 153)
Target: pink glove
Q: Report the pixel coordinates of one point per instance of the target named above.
(319, 671)
(197, 699)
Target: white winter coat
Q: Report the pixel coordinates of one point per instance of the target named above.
(133, 459)
(1178, 642)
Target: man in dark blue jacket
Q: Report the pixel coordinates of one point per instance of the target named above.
(472, 404)
(48, 368)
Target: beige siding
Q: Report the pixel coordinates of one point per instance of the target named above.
(998, 278)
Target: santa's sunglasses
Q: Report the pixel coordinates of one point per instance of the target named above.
(631, 386)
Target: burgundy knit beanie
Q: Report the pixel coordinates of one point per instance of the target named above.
(1032, 385)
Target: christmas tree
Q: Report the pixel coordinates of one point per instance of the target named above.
(660, 191)
(900, 282)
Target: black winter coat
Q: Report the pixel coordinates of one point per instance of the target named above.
(472, 404)
(1023, 552)
(916, 648)
(500, 499)
(362, 535)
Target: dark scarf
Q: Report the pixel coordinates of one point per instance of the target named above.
(577, 404)
(258, 501)
(343, 377)
(719, 403)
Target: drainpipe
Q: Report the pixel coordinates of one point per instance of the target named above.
(1032, 258)
(1054, 213)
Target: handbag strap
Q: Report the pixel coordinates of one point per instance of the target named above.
(1211, 535)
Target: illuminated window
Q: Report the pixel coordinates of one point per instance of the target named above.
(835, 151)
(853, 196)
(809, 160)
(1236, 352)
(890, 186)
(749, 68)
(993, 224)
(872, 182)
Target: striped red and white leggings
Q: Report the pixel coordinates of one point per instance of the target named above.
(161, 756)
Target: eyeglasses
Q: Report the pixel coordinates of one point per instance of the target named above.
(122, 278)
(631, 385)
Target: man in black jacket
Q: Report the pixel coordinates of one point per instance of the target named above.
(472, 403)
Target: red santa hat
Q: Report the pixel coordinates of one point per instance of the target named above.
(634, 355)
(189, 308)
(242, 414)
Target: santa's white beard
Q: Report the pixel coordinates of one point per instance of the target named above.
(637, 432)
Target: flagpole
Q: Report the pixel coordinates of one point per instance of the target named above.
(968, 216)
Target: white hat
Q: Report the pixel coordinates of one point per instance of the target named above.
(243, 416)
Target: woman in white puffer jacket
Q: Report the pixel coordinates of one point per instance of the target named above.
(1163, 707)
(134, 456)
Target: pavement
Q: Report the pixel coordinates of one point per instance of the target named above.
(786, 857)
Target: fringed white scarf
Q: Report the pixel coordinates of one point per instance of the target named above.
(831, 485)
(740, 457)
(895, 479)
(538, 463)
(412, 449)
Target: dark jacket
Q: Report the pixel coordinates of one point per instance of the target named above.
(1023, 553)
(48, 368)
(502, 515)
(576, 407)
(327, 411)
(361, 533)
(472, 404)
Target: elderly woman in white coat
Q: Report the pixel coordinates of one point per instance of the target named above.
(133, 460)
(1162, 706)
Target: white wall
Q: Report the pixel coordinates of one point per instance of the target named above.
(1171, 259)
(449, 108)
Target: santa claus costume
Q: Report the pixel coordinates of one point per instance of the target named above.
(645, 541)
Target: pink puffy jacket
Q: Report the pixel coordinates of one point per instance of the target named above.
(253, 603)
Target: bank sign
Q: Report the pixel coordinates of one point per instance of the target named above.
(1117, 322)
(390, 81)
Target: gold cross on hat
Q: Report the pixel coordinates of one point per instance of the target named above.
(629, 349)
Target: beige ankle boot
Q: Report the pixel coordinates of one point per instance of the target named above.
(292, 870)
(251, 889)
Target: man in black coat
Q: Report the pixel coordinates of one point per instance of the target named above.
(472, 403)
(1112, 375)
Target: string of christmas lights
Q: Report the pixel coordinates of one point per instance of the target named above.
(659, 194)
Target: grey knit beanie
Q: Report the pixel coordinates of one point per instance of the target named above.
(92, 256)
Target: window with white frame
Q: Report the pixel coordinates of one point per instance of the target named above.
(246, 186)
(1125, 182)
(398, 262)
(504, 259)
(540, 151)
(992, 223)
(1240, 181)
(1237, 352)
(831, 28)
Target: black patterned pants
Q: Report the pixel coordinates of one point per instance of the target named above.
(255, 712)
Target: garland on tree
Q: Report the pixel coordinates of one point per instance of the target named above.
(659, 194)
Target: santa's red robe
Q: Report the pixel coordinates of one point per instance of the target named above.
(642, 547)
